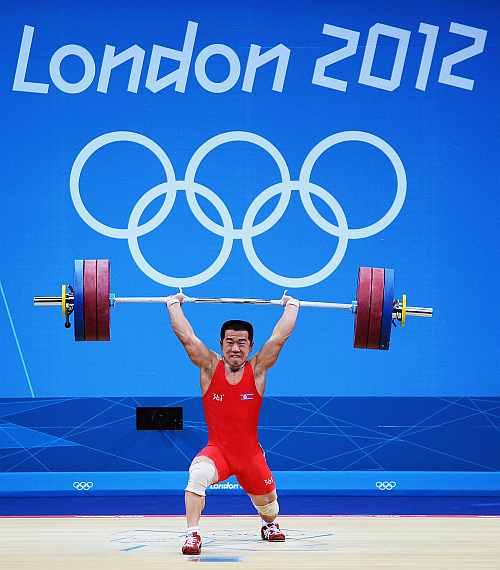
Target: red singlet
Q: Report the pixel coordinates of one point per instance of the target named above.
(232, 416)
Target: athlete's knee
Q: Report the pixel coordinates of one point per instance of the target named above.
(270, 510)
(201, 474)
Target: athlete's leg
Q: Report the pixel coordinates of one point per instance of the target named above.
(268, 508)
(266, 505)
(202, 474)
(207, 468)
(258, 481)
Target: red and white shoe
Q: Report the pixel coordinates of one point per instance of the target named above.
(192, 544)
(272, 532)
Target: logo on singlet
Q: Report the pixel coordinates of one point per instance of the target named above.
(218, 397)
(247, 396)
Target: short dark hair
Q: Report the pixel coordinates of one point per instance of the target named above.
(236, 325)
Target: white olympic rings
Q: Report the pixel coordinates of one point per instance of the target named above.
(227, 231)
(83, 485)
(385, 485)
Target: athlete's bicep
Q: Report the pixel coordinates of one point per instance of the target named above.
(198, 352)
(268, 355)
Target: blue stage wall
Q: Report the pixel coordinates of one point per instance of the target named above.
(293, 143)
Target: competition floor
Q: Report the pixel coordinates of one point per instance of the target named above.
(122, 533)
(153, 543)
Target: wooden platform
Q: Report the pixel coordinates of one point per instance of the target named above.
(153, 543)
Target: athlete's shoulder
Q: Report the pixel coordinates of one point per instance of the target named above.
(207, 374)
(256, 365)
(259, 375)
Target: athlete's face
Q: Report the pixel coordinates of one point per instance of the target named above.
(236, 347)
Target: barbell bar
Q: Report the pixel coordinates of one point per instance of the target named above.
(89, 299)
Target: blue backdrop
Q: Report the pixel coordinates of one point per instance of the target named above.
(240, 149)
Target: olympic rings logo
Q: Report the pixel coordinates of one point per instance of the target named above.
(227, 231)
(385, 485)
(83, 485)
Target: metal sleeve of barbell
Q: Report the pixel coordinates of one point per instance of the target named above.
(47, 301)
(414, 311)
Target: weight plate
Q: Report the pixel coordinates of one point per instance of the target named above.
(103, 278)
(90, 298)
(376, 306)
(363, 295)
(78, 310)
(385, 332)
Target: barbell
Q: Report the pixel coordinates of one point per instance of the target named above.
(89, 300)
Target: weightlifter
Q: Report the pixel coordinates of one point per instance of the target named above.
(232, 388)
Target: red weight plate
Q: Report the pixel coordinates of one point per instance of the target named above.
(90, 298)
(363, 295)
(376, 306)
(103, 278)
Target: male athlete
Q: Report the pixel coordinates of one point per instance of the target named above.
(232, 388)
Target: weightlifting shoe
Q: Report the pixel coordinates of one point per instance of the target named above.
(272, 532)
(192, 544)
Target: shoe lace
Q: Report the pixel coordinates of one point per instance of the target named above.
(191, 540)
(272, 527)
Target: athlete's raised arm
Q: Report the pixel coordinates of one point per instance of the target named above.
(282, 330)
(198, 353)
